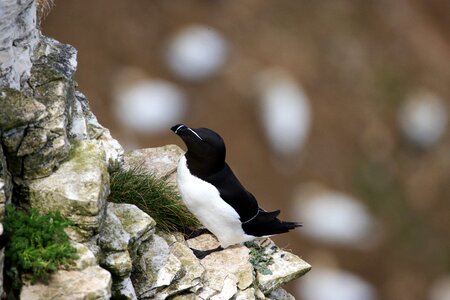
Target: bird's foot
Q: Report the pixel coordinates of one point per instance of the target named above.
(190, 234)
(200, 254)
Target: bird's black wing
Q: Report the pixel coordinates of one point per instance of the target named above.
(232, 192)
(256, 221)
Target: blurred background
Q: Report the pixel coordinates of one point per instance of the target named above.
(334, 111)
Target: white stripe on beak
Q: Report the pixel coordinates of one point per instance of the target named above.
(194, 133)
(178, 128)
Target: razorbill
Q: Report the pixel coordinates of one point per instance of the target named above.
(215, 196)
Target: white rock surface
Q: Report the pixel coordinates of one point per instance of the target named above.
(285, 111)
(192, 271)
(197, 52)
(333, 217)
(89, 283)
(149, 105)
(19, 37)
(423, 119)
(285, 268)
(112, 236)
(134, 221)
(155, 266)
(248, 294)
(85, 256)
(332, 284)
(160, 161)
(228, 269)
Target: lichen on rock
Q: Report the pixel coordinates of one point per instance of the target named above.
(18, 109)
(78, 189)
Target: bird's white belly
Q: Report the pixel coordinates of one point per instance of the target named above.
(204, 201)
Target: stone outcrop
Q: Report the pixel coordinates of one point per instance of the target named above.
(78, 189)
(55, 156)
(166, 267)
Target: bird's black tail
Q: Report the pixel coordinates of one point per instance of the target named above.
(267, 223)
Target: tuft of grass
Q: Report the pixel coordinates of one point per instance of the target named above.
(155, 196)
(259, 259)
(37, 244)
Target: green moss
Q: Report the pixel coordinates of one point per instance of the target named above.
(38, 244)
(259, 259)
(17, 109)
(155, 196)
(81, 153)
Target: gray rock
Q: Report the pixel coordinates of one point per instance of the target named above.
(19, 38)
(5, 186)
(89, 283)
(155, 267)
(123, 289)
(285, 268)
(84, 125)
(248, 294)
(191, 273)
(190, 296)
(34, 141)
(112, 236)
(118, 263)
(93, 127)
(229, 289)
(160, 161)
(11, 139)
(85, 257)
(42, 163)
(280, 294)
(77, 127)
(229, 265)
(113, 150)
(78, 189)
(18, 109)
(52, 60)
(135, 222)
(51, 83)
(203, 242)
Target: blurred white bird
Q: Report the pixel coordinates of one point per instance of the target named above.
(285, 112)
(423, 119)
(324, 283)
(440, 288)
(333, 217)
(196, 52)
(147, 105)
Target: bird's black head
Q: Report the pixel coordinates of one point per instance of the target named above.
(205, 147)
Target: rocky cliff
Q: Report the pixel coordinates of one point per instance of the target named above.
(55, 156)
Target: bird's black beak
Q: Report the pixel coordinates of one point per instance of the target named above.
(177, 128)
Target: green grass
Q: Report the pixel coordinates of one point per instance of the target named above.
(155, 196)
(38, 244)
(259, 259)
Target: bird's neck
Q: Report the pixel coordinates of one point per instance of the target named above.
(203, 167)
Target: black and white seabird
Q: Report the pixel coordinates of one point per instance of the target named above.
(215, 196)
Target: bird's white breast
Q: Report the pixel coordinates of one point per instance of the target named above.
(204, 201)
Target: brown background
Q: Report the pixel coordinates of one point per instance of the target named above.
(357, 60)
